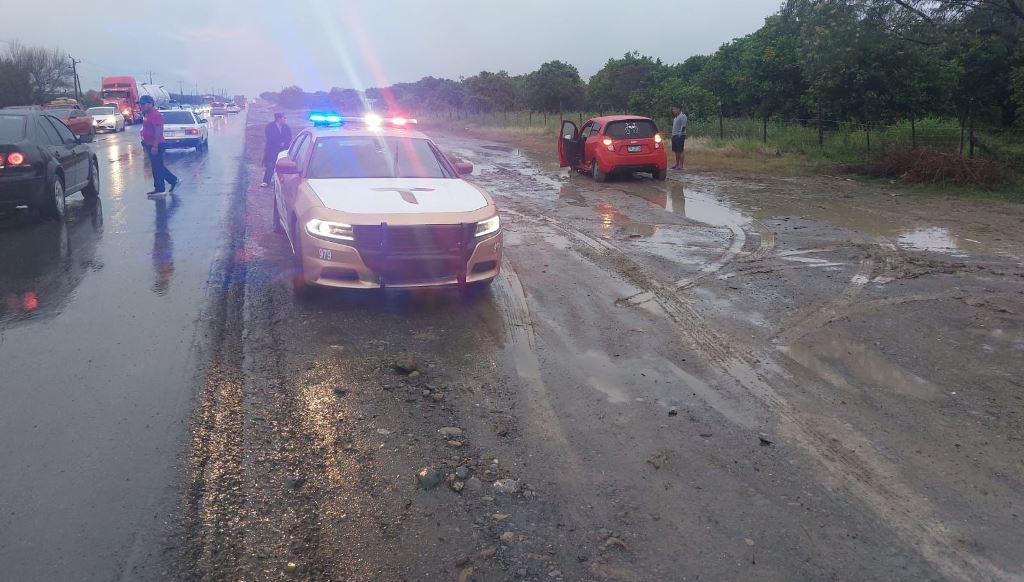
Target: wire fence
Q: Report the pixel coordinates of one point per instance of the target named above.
(821, 138)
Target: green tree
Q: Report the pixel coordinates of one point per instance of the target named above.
(15, 84)
(490, 91)
(292, 97)
(555, 86)
(616, 82)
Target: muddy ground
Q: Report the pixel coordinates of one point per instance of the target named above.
(709, 378)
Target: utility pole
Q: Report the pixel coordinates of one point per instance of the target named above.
(74, 73)
(150, 73)
(181, 91)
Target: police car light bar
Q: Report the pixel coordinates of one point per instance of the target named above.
(370, 120)
(326, 119)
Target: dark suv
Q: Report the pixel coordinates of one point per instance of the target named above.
(42, 162)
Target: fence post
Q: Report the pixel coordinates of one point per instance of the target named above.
(963, 124)
(581, 118)
(764, 129)
(913, 131)
(970, 131)
(867, 136)
(721, 123)
(821, 129)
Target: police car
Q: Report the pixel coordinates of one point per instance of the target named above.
(370, 203)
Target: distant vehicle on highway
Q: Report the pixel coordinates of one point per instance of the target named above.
(373, 204)
(73, 115)
(232, 108)
(182, 129)
(106, 119)
(614, 143)
(218, 108)
(42, 162)
(124, 92)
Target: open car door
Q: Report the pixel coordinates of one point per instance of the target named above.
(570, 150)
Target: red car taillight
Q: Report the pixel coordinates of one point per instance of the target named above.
(657, 141)
(191, 132)
(609, 144)
(12, 159)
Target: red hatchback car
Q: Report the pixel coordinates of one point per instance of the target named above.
(614, 143)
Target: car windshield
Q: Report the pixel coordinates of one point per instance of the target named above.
(376, 157)
(115, 94)
(12, 128)
(631, 129)
(100, 111)
(178, 117)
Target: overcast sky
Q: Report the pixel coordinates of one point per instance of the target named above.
(251, 46)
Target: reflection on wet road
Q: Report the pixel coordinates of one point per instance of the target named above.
(97, 318)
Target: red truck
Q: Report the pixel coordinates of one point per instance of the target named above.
(124, 91)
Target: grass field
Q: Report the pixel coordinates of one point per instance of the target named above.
(791, 148)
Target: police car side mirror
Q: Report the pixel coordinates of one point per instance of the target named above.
(286, 166)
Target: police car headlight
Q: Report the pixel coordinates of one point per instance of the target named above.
(329, 230)
(489, 226)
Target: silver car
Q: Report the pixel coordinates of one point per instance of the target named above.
(106, 119)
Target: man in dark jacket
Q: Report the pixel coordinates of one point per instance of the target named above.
(279, 137)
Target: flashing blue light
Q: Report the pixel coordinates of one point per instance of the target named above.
(325, 118)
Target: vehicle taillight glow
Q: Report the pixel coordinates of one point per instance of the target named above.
(657, 141)
(126, 112)
(191, 132)
(399, 120)
(609, 143)
(14, 159)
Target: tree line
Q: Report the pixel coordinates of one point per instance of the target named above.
(863, 61)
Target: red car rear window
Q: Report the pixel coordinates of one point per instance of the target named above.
(631, 129)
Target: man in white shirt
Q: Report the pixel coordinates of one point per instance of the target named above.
(678, 135)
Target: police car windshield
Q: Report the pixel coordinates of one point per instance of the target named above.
(376, 157)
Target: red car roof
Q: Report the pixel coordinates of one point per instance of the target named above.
(609, 118)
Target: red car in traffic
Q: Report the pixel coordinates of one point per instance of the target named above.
(73, 116)
(613, 144)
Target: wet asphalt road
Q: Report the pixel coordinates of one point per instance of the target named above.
(97, 322)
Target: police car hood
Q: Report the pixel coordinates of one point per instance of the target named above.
(397, 195)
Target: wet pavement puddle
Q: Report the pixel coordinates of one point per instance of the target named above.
(853, 366)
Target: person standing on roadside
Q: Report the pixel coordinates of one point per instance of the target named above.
(155, 145)
(279, 137)
(678, 135)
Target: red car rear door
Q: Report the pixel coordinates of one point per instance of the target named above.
(568, 144)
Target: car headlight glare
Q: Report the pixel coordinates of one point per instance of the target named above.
(489, 226)
(329, 230)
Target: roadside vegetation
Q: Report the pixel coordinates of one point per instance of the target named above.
(842, 83)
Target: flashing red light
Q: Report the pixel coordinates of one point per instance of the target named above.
(30, 301)
(399, 121)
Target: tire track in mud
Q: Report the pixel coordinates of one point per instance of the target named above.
(213, 544)
(519, 329)
(235, 517)
(862, 472)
